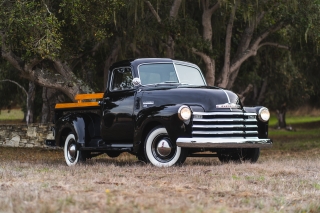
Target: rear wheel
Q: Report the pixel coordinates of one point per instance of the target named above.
(161, 151)
(242, 155)
(71, 153)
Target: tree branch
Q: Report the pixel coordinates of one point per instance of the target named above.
(214, 7)
(244, 94)
(210, 66)
(255, 45)
(23, 89)
(272, 29)
(175, 9)
(46, 7)
(153, 11)
(275, 45)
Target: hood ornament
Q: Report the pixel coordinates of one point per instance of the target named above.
(229, 106)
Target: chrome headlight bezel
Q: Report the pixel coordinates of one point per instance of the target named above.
(184, 113)
(264, 114)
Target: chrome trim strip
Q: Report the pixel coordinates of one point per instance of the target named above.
(226, 95)
(218, 113)
(251, 132)
(223, 143)
(217, 133)
(224, 126)
(223, 132)
(220, 126)
(225, 113)
(224, 120)
(219, 119)
(251, 126)
(175, 69)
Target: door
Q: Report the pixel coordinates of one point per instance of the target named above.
(117, 125)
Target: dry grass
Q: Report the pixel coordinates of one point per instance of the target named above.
(38, 181)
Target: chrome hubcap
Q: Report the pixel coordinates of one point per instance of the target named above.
(72, 150)
(164, 148)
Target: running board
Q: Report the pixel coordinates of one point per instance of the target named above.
(111, 147)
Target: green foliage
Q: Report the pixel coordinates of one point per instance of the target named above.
(31, 29)
(82, 33)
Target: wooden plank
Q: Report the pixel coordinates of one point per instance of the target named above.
(88, 96)
(76, 105)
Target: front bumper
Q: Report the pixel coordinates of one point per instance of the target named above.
(224, 143)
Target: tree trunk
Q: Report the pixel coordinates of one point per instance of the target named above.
(225, 73)
(281, 116)
(207, 36)
(45, 108)
(30, 102)
(262, 91)
(50, 98)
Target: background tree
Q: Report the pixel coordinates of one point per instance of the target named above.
(67, 46)
(51, 42)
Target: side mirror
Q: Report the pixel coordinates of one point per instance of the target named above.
(136, 82)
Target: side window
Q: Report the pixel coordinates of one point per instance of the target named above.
(121, 79)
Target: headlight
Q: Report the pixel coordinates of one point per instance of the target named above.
(264, 114)
(184, 113)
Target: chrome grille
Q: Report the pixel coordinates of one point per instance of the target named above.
(224, 124)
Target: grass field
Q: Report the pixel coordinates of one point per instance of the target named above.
(285, 179)
(12, 116)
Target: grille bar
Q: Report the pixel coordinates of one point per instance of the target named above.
(225, 113)
(224, 132)
(225, 120)
(225, 125)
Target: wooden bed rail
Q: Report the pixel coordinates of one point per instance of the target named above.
(79, 98)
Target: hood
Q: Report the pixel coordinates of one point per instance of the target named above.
(206, 97)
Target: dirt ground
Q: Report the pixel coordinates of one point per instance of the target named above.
(37, 180)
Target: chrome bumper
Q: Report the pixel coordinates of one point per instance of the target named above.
(224, 143)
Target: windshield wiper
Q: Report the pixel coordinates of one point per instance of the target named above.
(169, 82)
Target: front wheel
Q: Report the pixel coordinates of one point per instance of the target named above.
(71, 153)
(161, 151)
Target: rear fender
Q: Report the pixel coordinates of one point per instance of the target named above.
(86, 126)
(70, 123)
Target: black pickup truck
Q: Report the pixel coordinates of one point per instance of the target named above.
(162, 111)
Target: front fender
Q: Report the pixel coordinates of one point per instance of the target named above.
(167, 116)
(262, 126)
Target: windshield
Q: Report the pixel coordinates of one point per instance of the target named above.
(159, 73)
(189, 75)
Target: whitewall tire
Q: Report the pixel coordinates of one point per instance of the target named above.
(71, 153)
(160, 151)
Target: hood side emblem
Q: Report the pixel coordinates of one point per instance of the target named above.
(228, 105)
(146, 103)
